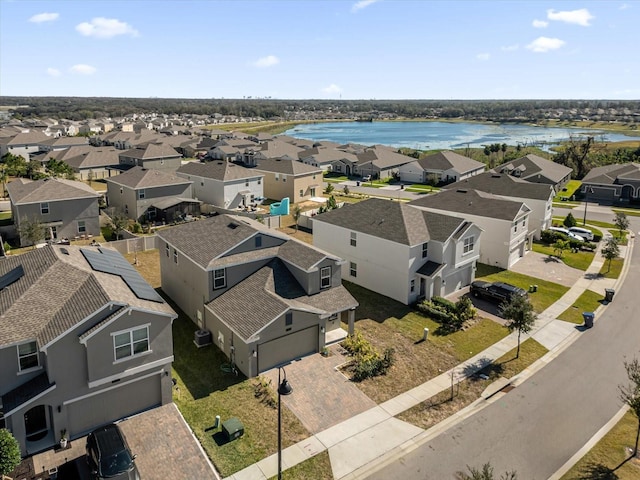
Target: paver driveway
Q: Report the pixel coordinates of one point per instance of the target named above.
(322, 396)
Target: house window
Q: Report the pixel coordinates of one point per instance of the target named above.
(301, 193)
(354, 241)
(412, 286)
(314, 177)
(288, 319)
(246, 184)
(121, 190)
(468, 245)
(28, 356)
(284, 178)
(515, 227)
(276, 177)
(259, 181)
(353, 269)
(141, 194)
(44, 208)
(425, 249)
(325, 277)
(167, 250)
(82, 227)
(175, 256)
(219, 278)
(524, 221)
(258, 241)
(131, 342)
(202, 184)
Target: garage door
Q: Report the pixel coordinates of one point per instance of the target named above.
(515, 254)
(84, 415)
(287, 348)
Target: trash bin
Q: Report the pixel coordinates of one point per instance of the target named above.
(608, 294)
(588, 319)
(357, 184)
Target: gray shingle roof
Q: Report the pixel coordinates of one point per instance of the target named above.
(392, 221)
(449, 160)
(505, 185)
(472, 202)
(287, 167)
(534, 165)
(56, 292)
(139, 177)
(607, 174)
(273, 290)
(151, 151)
(23, 191)
(218, 170)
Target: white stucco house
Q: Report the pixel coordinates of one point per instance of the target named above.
(504, 223)
(398, 250)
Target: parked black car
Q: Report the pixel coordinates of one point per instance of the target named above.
(497, 292)
(109, 456)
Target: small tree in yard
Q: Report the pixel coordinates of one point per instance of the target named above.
(119, 222)
(346, 190)
(630, 394)
(9, 452)
(569, 221)
(31, 230)
(560, 246)
(610, 251)
(519, 315)
(295, 213)
(622, 223)
(485, 473)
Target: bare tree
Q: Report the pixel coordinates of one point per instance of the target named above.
(630, 394)
(295, 213)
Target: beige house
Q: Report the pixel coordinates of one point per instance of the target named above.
(289, 178)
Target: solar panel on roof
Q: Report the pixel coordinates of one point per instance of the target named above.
(111, 262)
(11, 276)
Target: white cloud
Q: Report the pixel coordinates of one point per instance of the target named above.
(483, 57)
(83, 69)
(624, 6)
(540, 24)
(510, 48)
(101, 27)
(362, 4)
(545, 44)
(332, 89)
(53, 72)
(268, 61)
(579, 17)
(44, 17)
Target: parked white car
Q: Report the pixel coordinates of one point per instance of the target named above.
(585, 233)
(572, 236)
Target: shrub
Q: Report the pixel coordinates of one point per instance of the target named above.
(367, 362)
(137, 228)
(10, 456)
(346, 190)
(329, 188)
(548, 236)
(589, 246)
(434, 311)
(465, 309)
(569, 221)
(448, 305)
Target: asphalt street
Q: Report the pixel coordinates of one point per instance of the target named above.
(538, 426)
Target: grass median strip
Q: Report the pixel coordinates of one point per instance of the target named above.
(613, 271)
(316, 468)
(441, 406)
(587, 302)
(608, 453)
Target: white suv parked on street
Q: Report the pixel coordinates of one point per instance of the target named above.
(572, 236)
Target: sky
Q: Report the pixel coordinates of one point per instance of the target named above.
(328, 49)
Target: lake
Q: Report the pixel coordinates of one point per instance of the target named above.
(442, 135)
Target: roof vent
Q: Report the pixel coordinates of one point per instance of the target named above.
(65, 251)
(233, 226)
(462, 190)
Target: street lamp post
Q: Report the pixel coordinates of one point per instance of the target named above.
(284, 388)
(587, 191)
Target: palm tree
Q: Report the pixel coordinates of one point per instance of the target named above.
(486, 473)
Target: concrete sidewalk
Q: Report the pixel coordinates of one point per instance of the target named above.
(375, 435)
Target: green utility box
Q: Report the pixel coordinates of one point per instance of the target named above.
(232, 428)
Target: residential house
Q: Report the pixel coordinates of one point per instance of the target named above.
(612, 183)
(95, 164)
(440, 167)
(378, 161)
(227, 153)
(398, 250)
(504, 223)
(324, 158)
(152, 156)
(533, 168)
(223, 184)
(289, 178)
(22, 144)
(147, 195)
(84, 341)
(266, 298)
(65, 208)
(537, 196)
(62, 143)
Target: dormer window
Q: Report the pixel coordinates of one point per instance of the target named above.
(141, 194)
(325, 277)
(468, 245)
(219, 278)
(28, 356)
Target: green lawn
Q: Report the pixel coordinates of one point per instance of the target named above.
(628, 213)
(336, 178)
(597, 223)
(547, 294)
(616, 233)
(608, 453)
(316, 468)
(569, 205)
(587, 302)
(568, 190)
(580, 260)
(614, 271)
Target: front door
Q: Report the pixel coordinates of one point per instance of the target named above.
(35, 423)
(423, 287)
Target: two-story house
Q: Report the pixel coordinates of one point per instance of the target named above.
(151, 195)
(157, 157)
(266, 298)
(223, 184)
(504, 223)
(537, 196)
(289, 178)
(398, 250)
(535, 169)
(84, 341)
(65, 208)
(22, 144)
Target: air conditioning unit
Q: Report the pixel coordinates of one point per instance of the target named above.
(202, 338)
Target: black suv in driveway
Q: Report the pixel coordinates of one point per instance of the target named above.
(109, 456)
(496, 292)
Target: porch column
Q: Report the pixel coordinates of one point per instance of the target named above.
(352, 321)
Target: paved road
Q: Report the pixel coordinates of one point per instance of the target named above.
(538, 426)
